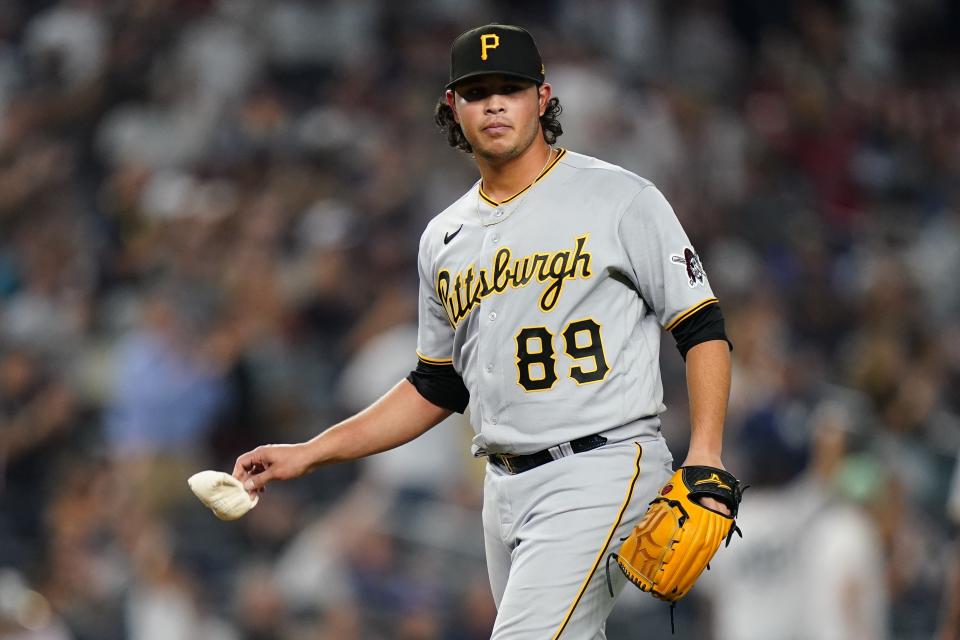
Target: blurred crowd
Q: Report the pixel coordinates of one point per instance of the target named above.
(209, 214)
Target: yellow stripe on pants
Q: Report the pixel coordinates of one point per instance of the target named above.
(603, 549)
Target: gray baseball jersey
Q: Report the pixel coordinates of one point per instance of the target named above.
(550, 305)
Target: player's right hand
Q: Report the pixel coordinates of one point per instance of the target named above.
(271, 462)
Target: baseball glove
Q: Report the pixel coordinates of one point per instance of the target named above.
(674, 542)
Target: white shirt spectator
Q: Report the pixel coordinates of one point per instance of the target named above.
(436, 460)
(812, 569)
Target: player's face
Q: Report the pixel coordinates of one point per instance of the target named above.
(499, 115)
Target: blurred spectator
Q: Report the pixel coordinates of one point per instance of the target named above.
(381, 362)
(26, 614)
(813, 566)
(167, 396)
(38, 423)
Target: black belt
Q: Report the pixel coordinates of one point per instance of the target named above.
(518, 464)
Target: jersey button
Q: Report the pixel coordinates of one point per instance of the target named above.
(494, 420)
(492, 316)
(498, 213)
(495, 238)
(489, 367)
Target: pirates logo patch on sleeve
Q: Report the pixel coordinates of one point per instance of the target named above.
(691, 261)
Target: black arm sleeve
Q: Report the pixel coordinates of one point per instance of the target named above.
(441, 385)
(704, 325)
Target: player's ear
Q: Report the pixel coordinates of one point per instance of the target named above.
(544, 92)
(452, 103)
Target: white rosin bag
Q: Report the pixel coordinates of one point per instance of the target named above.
(222, 493)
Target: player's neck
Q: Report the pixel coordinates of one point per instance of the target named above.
(501, 180)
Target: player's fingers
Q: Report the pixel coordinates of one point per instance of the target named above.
(238, 471)
(256, 482)
(241, 465)
(251, 462)
(715, 505)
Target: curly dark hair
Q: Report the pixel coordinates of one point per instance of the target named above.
(443, 116)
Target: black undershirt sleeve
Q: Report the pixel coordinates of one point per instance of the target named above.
(441, 385)
(704, 325)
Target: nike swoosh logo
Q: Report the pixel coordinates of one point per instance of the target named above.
(447, 237)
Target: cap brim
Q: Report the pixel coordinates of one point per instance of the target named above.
(477, 74)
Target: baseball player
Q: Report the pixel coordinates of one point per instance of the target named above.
(543, 292)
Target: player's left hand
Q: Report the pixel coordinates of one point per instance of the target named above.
(681, 531)
(707, 501)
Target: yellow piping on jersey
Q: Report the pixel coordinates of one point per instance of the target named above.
(546, 170)
(689, 312)
(434, 360)
(603, 549)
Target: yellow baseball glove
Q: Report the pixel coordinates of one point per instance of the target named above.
(674, 542)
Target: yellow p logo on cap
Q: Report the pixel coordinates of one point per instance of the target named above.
(488, 41)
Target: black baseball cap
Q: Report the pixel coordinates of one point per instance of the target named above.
(495, 48)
